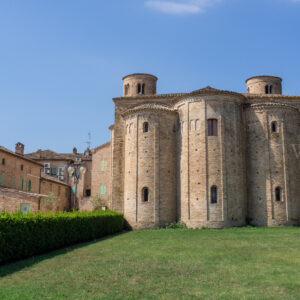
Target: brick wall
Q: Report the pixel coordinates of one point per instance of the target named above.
(19, 173)
(101, 173)
(11, 200)
(59, 190)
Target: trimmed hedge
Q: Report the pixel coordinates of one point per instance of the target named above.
(25, 235)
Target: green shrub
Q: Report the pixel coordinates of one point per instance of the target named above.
(176, 225)
(25, 235)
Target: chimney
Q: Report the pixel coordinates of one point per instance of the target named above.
(74, 150)
(20, 148)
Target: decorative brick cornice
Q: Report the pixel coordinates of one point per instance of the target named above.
(207, 91)
(149, 107)
(140, 74)
(262, 77)
(146, 97)
(19, 192)
(269, 97)
(271, 105)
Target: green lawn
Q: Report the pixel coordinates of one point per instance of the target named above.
(236, 263)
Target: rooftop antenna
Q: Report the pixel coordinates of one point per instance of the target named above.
(89, 142)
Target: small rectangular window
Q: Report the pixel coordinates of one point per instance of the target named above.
(278, 194)
(214, 194)
(3, 161)
(212, 127)
(88, 193)
(58, 190)
(274, 127)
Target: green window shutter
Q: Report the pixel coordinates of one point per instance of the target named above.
(2, 179)
(102, 189)
(103, 165)
(29, 185)
(12, 182)
(21, 184)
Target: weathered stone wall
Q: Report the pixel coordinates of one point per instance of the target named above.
(245, 160)
(150, 163)
(272, 163)
(206, 161)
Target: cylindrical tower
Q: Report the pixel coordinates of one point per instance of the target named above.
(264, 84)
(139, 84)
(150, 162)
(211, 162)
(272, 164)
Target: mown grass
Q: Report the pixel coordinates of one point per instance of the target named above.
(236, 263)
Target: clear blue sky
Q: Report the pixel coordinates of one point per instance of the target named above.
(62, 61)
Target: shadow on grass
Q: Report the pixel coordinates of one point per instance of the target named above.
(12, 267)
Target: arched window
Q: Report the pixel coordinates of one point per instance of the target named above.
(267, 89)
(278, 194)
(126, 89)
(214, 194)
(139, 89)
(145, 194)
(274, 127)
(145, 127)
(212, 127)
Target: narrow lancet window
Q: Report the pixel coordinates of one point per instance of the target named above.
(146, 127)
(145, 194)
(267, 89)
(214, 194)
(278, 194)
(126, 89)
(274, 127)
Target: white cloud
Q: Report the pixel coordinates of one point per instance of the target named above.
(183, 7)
(180, 7)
